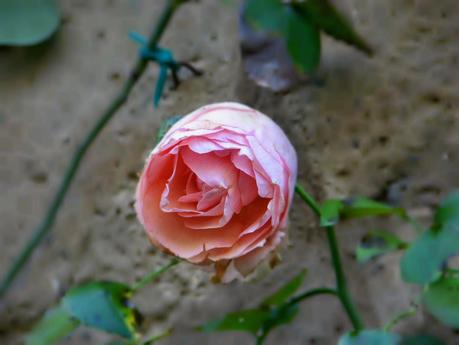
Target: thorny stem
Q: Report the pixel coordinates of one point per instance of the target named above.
(44, 227)
(153, 275)
(341, 284)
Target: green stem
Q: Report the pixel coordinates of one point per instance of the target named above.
(153, 275)
(341, 284)
(44, 227)
(312, 293)
(399, 317)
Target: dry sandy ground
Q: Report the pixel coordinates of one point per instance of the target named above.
(384, 127)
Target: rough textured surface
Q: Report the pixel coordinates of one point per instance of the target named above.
(383, 127)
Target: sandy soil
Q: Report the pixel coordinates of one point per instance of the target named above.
(384, 127)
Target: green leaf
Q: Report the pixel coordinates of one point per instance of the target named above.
(102, 305)
(442, 300)
(378, 242)
(447, 212)
(327, 18)
(282, 315)
(423, 260)
(302, 37)
(370, 337)
(363, 207)
(287, 290)
(267, 15)
(250, 320)
(166, 125)
(55, 325)
(422, 340)
(303, 41)
(27, 22)
(330, 211)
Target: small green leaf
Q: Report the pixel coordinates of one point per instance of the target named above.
(442, 299)
(281, 315)
(363, 207)
(166, 125)
(102, 305)
(329, 212)
(27, 22)
(370, 337)
(250, 320)
(327, 18)
(423, 260)
(422, 340)
(378, 242)
(267, 15)
(287, 290)
(303, 41)
(302, 37)
(55, 325)
(447, 212)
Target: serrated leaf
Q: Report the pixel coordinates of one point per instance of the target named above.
(250, 320)
(422, 340)
(370, 337)
(102, 305)
(328, 19)
(378, 242)
(423, 260)
(166, 125)
(55, 325)
(363, 207)
(441, 298)
(27, 22)
(286, 291)
(330, 212)
(447, 212)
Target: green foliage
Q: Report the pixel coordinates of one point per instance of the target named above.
(27, 22)
(333, 210)
(364, 207)
(285, 292)
(274, 311)
(447, 212)
(442, 299)
(330, 212)
(370, 337)
(250, 320)
(301, 35)
(378, 242)
(422, 340)
(166, 125)
(55, 325)
(327, 18)
(299, 24)
(102, 305)
(423, 261)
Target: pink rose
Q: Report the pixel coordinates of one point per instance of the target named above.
(218, 187)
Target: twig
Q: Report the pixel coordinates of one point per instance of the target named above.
(50, 216)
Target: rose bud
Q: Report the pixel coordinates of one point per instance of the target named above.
(217, 189)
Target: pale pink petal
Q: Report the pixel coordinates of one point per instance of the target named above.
(248, 188)
(213, 170)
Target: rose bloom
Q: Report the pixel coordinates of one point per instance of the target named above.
(218, 187)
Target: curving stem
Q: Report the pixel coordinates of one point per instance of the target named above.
(342, 291)
(48, 220)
